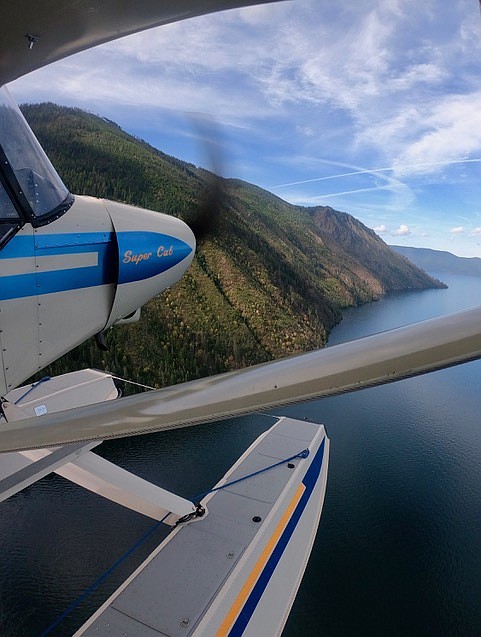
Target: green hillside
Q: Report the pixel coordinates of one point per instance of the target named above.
(272, 279)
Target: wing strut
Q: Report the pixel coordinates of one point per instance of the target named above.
(76, 462)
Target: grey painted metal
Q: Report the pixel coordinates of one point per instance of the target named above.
(168, 591)
(374, 360)
(35, 33)
(26, 476)
(198, 558)
(116, 623)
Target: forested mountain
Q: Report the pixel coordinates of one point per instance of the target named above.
(439, 261)
(271, 280)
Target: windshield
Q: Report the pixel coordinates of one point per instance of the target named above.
(38, 180)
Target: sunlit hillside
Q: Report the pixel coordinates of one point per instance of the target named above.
(271, 280)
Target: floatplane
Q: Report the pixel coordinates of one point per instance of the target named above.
(72, 267)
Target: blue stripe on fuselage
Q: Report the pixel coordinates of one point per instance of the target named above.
(165, 252)
(29, 246)
(145, 254)
(17, 286)
(23, 285)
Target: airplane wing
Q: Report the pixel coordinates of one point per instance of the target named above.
(38, 32)
(373, 360)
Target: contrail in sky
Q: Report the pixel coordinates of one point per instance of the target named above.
(350, 192)
(378, 170)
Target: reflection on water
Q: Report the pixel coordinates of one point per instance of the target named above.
(398, 549)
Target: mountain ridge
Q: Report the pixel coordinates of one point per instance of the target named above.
(440, 261)
(270, 281)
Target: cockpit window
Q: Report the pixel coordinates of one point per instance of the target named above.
(10, 220)
(7, 209)
(37, 181)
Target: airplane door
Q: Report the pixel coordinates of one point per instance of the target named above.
(18, 308)
(77, 273)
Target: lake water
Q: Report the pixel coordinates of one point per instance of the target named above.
(398, 550)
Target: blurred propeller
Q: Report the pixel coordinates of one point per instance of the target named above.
(373, 360)
(204, 220)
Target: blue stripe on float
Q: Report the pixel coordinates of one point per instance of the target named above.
(309, 481)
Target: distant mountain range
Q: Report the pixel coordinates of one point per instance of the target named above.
(438, 262)
(271, 280)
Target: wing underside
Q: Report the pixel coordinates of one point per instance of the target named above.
(35, 33)
(374, 360)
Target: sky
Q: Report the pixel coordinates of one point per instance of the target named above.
(372, 107)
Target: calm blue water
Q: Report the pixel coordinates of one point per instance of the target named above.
(398, 550)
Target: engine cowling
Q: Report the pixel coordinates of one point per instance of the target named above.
(154, 250)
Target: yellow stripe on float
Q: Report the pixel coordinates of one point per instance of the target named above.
(259, 565)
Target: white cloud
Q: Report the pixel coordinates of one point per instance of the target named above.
(416, 74)
(452, 130)
(372, 60)
(387, 90)
(263, 15)
(457, 230)
(382, 229)
(307, 131)
(402, 231)
(476, 231)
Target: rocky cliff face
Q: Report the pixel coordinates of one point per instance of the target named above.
(366, 253)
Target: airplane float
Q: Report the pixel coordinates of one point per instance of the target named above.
(73, 266)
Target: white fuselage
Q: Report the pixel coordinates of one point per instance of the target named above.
(64, 282)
